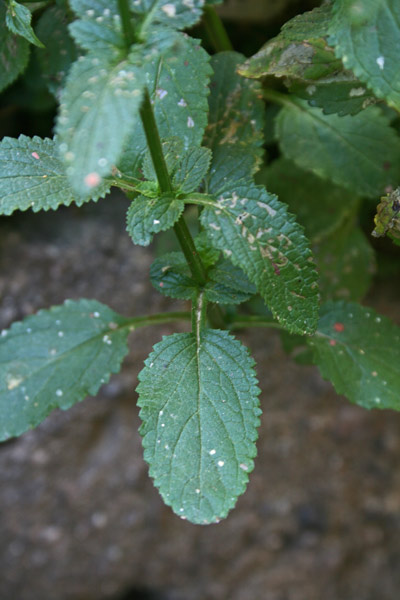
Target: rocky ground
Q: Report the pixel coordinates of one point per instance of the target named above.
(80, 519)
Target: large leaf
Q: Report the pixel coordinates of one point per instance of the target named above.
(54, 359)
(236, 109)
(99, 106)
(257, 234)
(199, 407)
(14, 52)
(59, 52)
(318, 205)
(179, 79)
(32, 176)
(152, 215)
(366, 35)
(330, 146)
(18, 20)
(359, 351)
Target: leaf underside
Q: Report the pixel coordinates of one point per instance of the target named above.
(199, 407)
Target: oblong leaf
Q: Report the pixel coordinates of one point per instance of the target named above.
(54, 359)
(257, 234)
(358, 350)
(199, 407)
(330, 146)
(32, 176)
(18, 20)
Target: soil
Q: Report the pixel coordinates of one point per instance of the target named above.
(81, 520)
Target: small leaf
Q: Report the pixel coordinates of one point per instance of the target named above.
(60, 51)
(14, 52)
(99, 106)
(200, 410)
(179, 99)
(32, 176)
(227, 284)
(318, 205)
(255, 231)
(366, 37)
(18, 21)
(236, 116)
(56, 358)
(152, 215)
(330, 146)
(173, 153)
(359, 352)
(191, 170)
(171, 276)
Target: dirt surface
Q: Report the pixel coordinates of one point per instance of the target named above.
(80, 520)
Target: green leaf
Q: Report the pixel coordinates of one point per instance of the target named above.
(228, 285)
(300, 51)
(359, 352)
(199, 407)
(54, 359)
(257, 234)
(152, 215)
(18, 21)
(179, 95)
(60, 52)
(318, 205)
(236, 117)
(191, 170)
(171, 276)
(14, 52)
(99, 26)
(173, 153)
(330, 146)
(346, 263)
(32, 176)
(342, 94)
(366, 36)
(178, 14)
(99, 106)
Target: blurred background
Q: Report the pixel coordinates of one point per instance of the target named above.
(79, 517)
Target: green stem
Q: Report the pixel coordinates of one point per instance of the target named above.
(199, 312)
(154, 144)
(157, 319)
(241, 321)
(125, 14)
(181, 229)
(189, 250)
(215, 30)
(278, 97)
